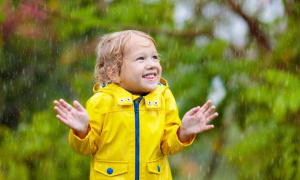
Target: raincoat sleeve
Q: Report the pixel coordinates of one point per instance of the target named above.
(170, 143)
(89, 145)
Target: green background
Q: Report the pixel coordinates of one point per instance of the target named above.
(47, 52)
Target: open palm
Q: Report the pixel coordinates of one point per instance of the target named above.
(196, 120)
(75, 118)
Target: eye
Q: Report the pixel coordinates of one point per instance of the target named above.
(155, 57)
(140, 58)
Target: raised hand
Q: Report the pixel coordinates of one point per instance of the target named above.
(196, 121)
(75, 118)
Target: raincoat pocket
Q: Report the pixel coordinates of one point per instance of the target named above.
(155, 166)
(111, 168)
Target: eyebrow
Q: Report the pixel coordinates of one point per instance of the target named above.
(142, 51)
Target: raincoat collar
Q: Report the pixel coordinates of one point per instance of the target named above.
(123, 97)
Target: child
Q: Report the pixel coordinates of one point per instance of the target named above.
(131, 123)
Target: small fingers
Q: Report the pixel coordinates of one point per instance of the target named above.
(193, 111)
(208, 127)
(63, 120)
(60, 112)
(211, 117)
(209, 111)
(78, 106)
(56, 103)
(59, 117)
(65, 104)
(60, 106)
(205, 106)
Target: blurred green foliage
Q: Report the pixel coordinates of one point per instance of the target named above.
(38, 150)
(47, 51)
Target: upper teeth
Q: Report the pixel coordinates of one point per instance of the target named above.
(149, 75)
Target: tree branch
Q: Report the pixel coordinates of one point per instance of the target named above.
(253, 25)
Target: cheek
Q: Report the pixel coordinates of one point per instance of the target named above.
(160, 69)
(123, 70)
(129, 71)
(123, 76)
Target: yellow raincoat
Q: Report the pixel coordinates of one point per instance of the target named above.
(130, 135)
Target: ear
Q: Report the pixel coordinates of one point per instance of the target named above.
(112, 75)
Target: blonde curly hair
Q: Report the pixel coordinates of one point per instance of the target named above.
(110, 53)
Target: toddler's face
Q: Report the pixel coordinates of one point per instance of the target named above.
(141, 70)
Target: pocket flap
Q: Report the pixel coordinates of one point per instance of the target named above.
(155, 166)
(111, 168)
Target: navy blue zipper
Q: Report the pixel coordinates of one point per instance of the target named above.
(137, 138)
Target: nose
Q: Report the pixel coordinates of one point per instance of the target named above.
(150, 64)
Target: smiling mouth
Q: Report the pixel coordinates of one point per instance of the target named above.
(149, 76)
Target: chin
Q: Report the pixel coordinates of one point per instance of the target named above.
(151, 88)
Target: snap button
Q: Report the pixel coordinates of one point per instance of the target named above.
(158, 168)
(121, 100)
(149, 103)
(109, 170)
(155, 103)
(128, 99)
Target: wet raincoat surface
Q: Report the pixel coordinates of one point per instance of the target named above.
(130, 135)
